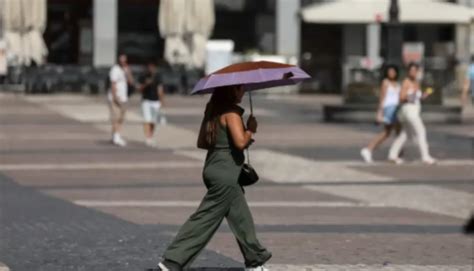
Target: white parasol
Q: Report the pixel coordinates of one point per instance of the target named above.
(24, 22)
(35, 24)
(186, 25)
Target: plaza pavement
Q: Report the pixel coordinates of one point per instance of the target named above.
(71, 201)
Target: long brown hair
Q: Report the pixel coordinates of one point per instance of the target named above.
(222, 100)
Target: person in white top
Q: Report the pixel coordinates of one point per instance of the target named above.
(120, 77)
(468, 87)
(387, 111)
(409, 116)
(3, 61)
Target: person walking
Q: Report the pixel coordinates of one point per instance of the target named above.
(152, 101)
(3, 61)
(409, 116)
(224, 136)
(468, 87)
(386, 112)
(120, 76)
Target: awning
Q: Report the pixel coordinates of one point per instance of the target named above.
(371, 11)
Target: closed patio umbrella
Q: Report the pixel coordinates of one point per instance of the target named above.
(199, 25)
(25, 21)
(186, 25)
(171, 17)
(176, 50)
(199, 17)
(35, 24)
(13, 27)
(171, 20)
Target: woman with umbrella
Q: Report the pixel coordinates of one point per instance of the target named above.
(225, 137)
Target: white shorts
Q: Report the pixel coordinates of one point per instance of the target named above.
(151, 111)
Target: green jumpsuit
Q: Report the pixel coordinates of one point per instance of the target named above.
(224, 198)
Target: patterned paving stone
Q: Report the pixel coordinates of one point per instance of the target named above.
(56, 154)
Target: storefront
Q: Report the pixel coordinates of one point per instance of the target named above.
(338, 41)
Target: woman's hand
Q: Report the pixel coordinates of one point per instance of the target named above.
(427, 93)
(235, 125)
(252, 124)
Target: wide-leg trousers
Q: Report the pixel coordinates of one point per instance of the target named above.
(221, 201)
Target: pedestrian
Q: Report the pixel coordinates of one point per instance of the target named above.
(469, 226)
(410, 118)
(386, 112)
(3, 61)
(120, 76)
(468, 87)
(224, 136)
(152, 101)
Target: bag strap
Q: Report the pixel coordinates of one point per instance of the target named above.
(251, 113)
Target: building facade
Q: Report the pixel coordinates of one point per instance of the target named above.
(333, 47)
(93, 32)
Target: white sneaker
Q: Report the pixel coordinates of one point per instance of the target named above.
(117, 140)
(258, 268)
(430, 161)
(396, 161)
(163, 267)
(149, 142)
(366, 155)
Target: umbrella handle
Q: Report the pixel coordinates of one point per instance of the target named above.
(250, 100)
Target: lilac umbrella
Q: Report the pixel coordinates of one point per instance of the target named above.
(253, 75)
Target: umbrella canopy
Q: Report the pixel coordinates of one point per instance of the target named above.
(253, 75)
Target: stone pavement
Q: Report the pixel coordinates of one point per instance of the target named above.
(69, 200)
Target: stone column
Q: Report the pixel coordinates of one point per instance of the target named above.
(462, 43)
(353, 44)
(288, 28)
(105, 32)
(373, 41)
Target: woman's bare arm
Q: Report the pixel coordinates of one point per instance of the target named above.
(383, 93)
(404, 91)
(465, 91)
(240, 136)
(161, 94)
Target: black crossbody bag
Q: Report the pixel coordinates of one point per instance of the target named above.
(248, 175)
